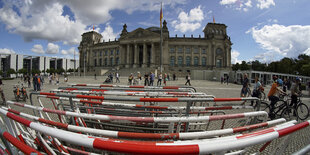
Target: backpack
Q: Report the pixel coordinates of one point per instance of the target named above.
(39, 80)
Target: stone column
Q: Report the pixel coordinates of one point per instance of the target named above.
(200, 57)
(192, 56)
(152, 55)
(127, 64)
(144, 56)
(135, 65)
(229, 57)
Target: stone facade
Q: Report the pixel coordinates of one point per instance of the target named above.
(141, 49)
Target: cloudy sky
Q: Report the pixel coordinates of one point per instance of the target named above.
(264, 30)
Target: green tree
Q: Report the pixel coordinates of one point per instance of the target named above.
(236, 66)
(22, 71)
(11, 71)
(244, 66)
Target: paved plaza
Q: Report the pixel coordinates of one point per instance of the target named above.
(296, 141)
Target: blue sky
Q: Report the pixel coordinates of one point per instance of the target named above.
(264, 30)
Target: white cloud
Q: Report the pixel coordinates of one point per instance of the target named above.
(225, 2)
(189, 21)
(289, 41)
(108, 33)
(52, 48)
(7, 51)
(37, 49)
(69, 51)
(234, 57)
(265, 4)
(44, 19)
(245, 5)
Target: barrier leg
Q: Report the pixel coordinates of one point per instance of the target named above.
(188, 108)
(6, 143)
(283, 145)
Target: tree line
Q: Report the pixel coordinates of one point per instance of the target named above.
(296, 66)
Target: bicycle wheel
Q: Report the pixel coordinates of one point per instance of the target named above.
(263, 107)
(302, 111)
(289, 114)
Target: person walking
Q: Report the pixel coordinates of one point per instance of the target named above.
(1, 92)
(29, 82)
(117, 77)
(227, 79)
(35, 82)
(188, 79)
(245, 85)
(146, 79)
(160, 77)
(95, 76)
(174, 77)
(152, 78)
(165, 79)
(295, 92)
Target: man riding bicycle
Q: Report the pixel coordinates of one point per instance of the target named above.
(273, 95)
(295, 92)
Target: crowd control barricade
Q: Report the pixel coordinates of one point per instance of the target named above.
(200, 146)
(123, 109)
(134, 93)
(154, 136)
(125, 89)
(188, 101)
(187, 88)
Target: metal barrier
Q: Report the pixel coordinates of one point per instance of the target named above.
(143, 119)
(7, 137)
(192, 89)
(125, 89)
(135, 93)
(202, 146)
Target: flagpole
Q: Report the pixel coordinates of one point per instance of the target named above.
(161, 40)
(74, 64)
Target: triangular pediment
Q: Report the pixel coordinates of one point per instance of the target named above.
(141, 33)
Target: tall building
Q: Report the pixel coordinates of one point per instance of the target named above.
(19, 61)
(141, 49)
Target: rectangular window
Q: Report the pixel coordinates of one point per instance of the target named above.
(106, 52)
(196, 50)
(111, 52)
(117, 52)
(180, 50)
(188, 50)
(204, 51)
(172, 50)
(100, 53)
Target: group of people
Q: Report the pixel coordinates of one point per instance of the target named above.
(149, 79)
(278, 88)
(225, 79)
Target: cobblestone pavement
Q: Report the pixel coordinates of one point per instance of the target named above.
(297, 140)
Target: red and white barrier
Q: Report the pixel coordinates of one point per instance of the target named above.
(126, 86)
(144, 119)
(18, 144)
(118, 134)
(177, 147)
(149, 107)
(134, 93)
(150, 99)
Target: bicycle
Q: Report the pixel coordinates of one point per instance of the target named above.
(302, 109)
(282, 109)
(20, 93)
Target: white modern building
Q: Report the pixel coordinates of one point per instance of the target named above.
(19, 61)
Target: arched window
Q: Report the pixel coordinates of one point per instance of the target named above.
(203, 61)
(180, 61)
(196, 60)
(117, 61)
(172, 61)
(188, 61)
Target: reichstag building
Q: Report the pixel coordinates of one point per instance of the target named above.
(141, 49)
